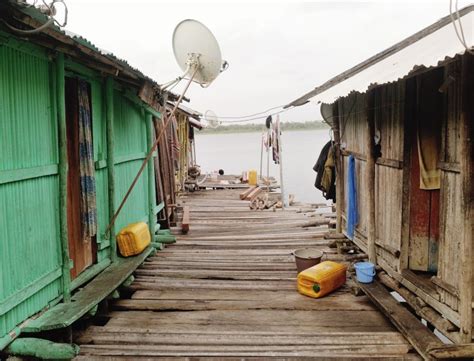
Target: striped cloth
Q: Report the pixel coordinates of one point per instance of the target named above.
(87, 170)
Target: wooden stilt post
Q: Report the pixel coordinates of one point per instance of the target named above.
(109, 96)
(467, 198)
(370, 177)
(63, 169)
(339, 171)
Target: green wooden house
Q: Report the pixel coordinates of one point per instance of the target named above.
(49, 83)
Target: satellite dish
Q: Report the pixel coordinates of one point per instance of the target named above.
(326, 112)
(195, 46)
(211, 119)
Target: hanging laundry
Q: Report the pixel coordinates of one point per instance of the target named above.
(352, 214)
(329, 188)
(86, 165)
(428, 149)
(276, 141)
(328, 180)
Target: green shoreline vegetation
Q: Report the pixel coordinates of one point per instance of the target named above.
(249, 128)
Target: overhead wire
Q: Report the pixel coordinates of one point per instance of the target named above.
(252, 115)
(255, 118)
(460, 31)
(49, 10)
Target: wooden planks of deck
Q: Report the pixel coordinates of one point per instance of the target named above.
(227, 291)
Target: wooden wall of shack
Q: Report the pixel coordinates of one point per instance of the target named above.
(393, 110)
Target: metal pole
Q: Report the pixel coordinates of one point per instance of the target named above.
(261, 157)
(280, 151)
(150, 152)
(268, 160)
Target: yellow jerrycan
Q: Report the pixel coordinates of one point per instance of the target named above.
(133, 239)
(252, 177)
(321, 279)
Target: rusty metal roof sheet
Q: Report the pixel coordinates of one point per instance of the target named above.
(427, 48)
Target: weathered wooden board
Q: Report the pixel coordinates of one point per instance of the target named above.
(227, 291)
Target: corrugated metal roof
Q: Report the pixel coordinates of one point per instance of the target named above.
(31, 17)
(427, 48)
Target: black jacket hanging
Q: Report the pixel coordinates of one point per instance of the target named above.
(319, 168)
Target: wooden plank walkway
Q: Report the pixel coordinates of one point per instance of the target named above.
(227, 291)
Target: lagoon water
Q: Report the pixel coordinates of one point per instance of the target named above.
(238, 152)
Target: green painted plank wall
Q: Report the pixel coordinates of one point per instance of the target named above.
(29, 223)
(130, 139)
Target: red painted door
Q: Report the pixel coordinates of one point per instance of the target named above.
(424, 204)
(424, 222)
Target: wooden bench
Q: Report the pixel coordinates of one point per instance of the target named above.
(65, 314)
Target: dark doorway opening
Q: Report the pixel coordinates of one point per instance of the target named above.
(82, 251)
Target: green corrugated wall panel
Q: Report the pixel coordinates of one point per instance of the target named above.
(130, 138)
(29, 224)
(28, 134)
(100, 153)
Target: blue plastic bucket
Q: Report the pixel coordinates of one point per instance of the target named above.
(365, 272)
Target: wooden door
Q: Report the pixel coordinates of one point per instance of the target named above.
(81, 251)
(425, 204)
(424, 222)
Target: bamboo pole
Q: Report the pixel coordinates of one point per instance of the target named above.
(63, 170)
(370, 177)
(109, 97)
(150, 152)
(467, 198)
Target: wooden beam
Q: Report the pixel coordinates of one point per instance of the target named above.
(415, 287)
(255, 192)
(339, 168)
(245, 193)
(63, 170)
(463, 351)
(449, 167)
(370, 177)
(467, 197)
(414, 331)
(409, 117)
(185, 221)
(63, 315)
(152, 218)
(16, 175)
(392, 163)
(421, 307)
(109, 105)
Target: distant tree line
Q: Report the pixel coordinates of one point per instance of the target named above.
(246, 128)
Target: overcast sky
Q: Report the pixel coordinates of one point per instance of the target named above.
(276, 51)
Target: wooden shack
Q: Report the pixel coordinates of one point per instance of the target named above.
(406, 115)
(76, 123)
(176, 154)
